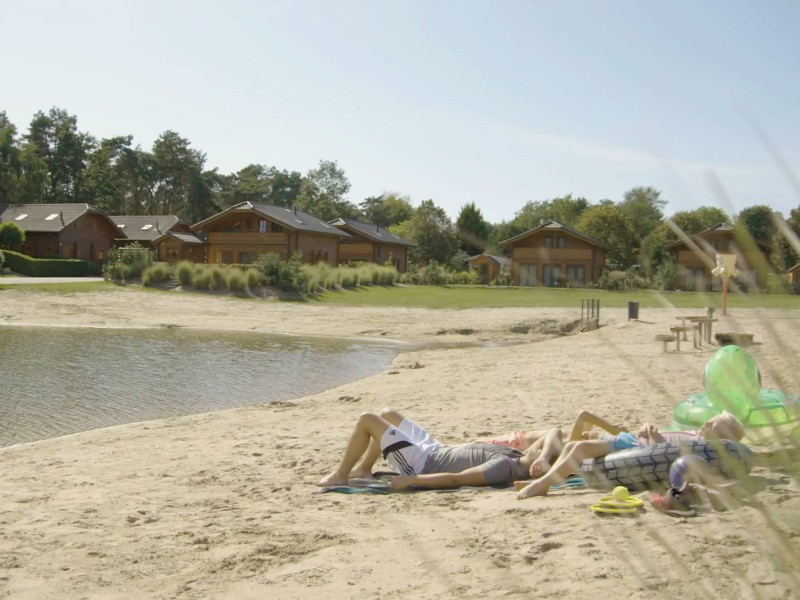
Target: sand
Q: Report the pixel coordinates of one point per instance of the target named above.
(222, 505)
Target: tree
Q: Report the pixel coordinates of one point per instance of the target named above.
(10, 167)
(11, 235)
(432, 231)
(758, 222)
(472, 229)
(644, 208)
(108, 175)
(610, 226)
(54, 139)
(386, 210)
(322, 193)
(284, 187)
(699, 219)
(565, 209)
(173, 169)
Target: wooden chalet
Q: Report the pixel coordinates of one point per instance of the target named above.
(168, 236)
(695, 257)
(372, 243)
(554, 254)
(244, 231)
(488, 266)
(69, 230)
(794, 274)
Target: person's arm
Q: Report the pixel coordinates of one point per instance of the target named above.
(586, 420)
(438, 481)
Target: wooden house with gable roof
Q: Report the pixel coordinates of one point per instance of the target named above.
(554, 254)
(171, 238)
(488, 266)
(69, 230)
(695, 257)
(246, 230)
(372, 243)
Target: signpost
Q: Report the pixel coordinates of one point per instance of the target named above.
(726, 268)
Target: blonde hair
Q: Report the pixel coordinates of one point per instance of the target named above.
(732, 427)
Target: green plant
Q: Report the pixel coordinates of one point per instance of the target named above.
(184, 272)
(202, 278)
(11, 235)
(270, 265)
(219, 279)
(156, 274)
(254, 278)
(237, 282)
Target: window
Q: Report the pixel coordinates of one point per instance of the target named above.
(562, 242)
(262, 226)
(527, 274)
(551, 276)
(248, 224)
(575, 273)
(245, 258)
(22, 216)
(147, 226)
(51, 216)
(548, 242)
(226, 258)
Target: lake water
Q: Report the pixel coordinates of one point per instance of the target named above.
(57, 381)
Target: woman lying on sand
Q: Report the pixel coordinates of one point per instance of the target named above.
(721, 426)
(424, 462)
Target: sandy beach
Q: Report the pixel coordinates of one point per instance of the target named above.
(223, 505)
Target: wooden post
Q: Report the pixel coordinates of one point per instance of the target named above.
(725, 295)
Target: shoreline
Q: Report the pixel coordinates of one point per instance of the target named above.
(222, 504)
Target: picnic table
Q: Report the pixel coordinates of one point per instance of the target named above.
(704, 324)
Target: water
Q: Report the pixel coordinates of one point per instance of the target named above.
(59, 381)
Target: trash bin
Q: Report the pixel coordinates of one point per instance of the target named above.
(633, 310)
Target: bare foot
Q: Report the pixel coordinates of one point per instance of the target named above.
(535, 488)
(332, 479)
(360, 474)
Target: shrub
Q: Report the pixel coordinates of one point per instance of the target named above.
(136, 257)
(156, 274)
(270, 265)
(253, 277)
(289, 273)
(503, 277)
(666, 276)
(184, 272)
(11, 235)
(2, 260)
(202, 278)
(219, 279)
(237, 282)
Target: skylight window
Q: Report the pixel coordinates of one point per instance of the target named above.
(51, 217)
(146, 227)
(121, 225)
(22, 216)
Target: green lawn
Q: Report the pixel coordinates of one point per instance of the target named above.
(473, 297)
(479, 296)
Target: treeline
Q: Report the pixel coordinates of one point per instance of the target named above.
(55, 162)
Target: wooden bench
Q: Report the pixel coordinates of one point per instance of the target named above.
(725, 338)
(677, 330)
(667, 339)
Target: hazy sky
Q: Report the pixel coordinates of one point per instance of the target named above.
(497, 102)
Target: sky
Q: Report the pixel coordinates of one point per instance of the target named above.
(498, 102)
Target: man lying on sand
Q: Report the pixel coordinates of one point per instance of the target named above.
(721, 426)
(424, 462)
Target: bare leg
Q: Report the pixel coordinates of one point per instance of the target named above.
(568, 462)
(541, 455)
(521, 440)
(369, 427)
(364, 469)
(586, 420)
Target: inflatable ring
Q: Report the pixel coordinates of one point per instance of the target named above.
(647, 467)
(774, 414)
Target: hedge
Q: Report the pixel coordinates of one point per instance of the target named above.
(48, 267)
